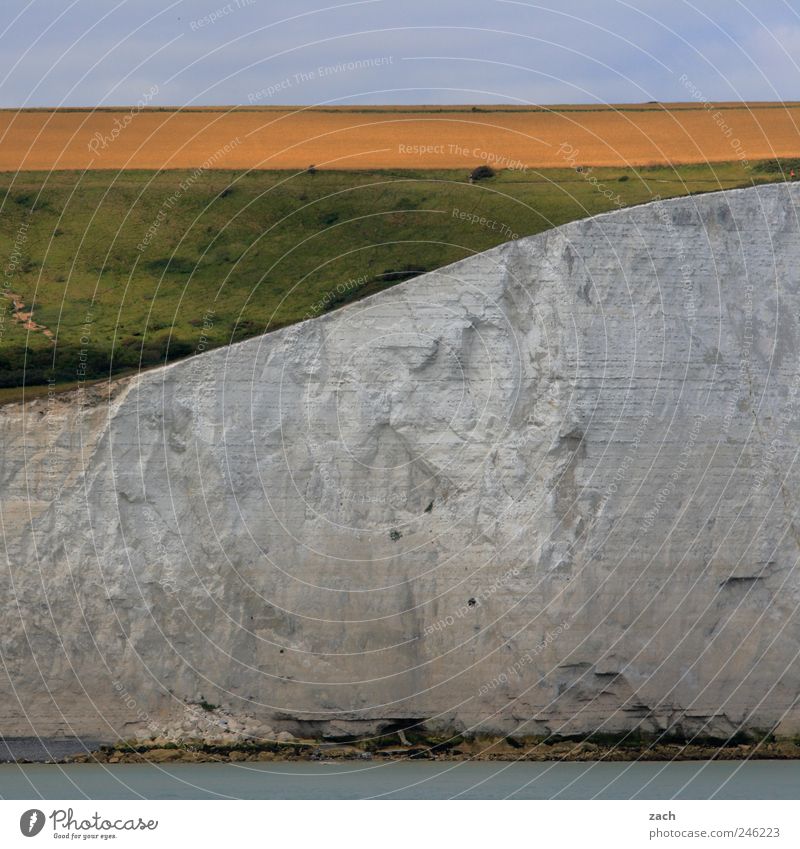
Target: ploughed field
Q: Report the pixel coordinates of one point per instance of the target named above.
(399, 137)
(109, 271)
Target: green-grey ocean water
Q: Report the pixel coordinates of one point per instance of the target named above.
(404, 780)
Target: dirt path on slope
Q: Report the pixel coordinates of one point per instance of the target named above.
(22, 315)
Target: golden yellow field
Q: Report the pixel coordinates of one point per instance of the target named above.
(397, 137)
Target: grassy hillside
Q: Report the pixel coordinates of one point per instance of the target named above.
(131, 269)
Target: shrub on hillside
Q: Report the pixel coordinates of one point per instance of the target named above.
(482, 172)
(777, 166)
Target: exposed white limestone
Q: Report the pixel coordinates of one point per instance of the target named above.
(551, 488)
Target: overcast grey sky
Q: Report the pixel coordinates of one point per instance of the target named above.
(110, 52)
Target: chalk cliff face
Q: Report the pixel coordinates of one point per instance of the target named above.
(549, 489)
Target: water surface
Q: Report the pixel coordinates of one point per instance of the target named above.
(404, 780)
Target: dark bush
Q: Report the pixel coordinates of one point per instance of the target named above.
(177, 348)
(25, 366)
(175, 264)
(393, 275)
(245, 328)
(482, 172)
(777, 166)
(136, 352)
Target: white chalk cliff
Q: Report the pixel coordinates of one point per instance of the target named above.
(552, 488)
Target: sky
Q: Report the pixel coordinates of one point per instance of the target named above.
(263, 52)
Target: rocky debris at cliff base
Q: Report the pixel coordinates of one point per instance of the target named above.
(499, 749)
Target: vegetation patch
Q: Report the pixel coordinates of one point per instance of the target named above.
(127, 274)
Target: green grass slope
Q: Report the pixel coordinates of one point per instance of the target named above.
(131, 269)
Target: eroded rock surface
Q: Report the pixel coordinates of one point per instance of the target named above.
(549, 489)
